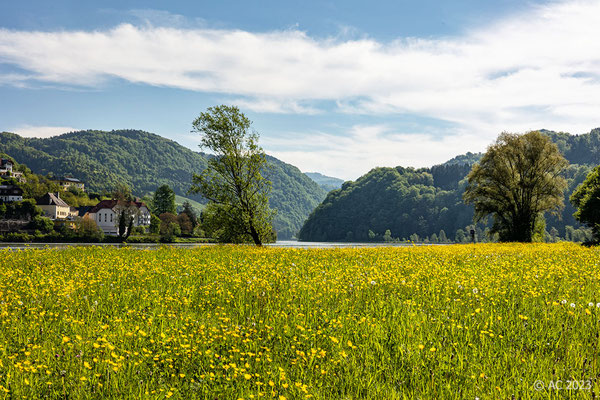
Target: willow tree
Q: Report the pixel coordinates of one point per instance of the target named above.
(516, 181)
(238, 194)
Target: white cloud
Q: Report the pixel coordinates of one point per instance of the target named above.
(42, 131)
(274, 106)
(17, 80)
(367, 146)
(537, 69)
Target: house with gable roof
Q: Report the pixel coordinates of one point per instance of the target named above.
(66, 182)
(53, 206)
(105, 213)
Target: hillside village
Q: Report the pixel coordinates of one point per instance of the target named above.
(23, 216)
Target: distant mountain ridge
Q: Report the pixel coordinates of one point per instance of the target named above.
(424, 202)
(328, 183)
(144, 161)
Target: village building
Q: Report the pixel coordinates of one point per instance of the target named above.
(53, 206)
(105, 213)
(73, 212)
(6, 166)
(10, 193)
(66, 182)
(7, 170)
(82, 211)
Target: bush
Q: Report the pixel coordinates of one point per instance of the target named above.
(24, 210)
(138, 230)
(199, 232)
(43, 224)
(18, 237)
(168, 234)
(154, 224)
(88, 230)
(142, 239)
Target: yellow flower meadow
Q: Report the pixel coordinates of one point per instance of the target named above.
(461, 321)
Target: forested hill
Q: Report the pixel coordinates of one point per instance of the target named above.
(578, 149)
(145, 161)
(424, 202)
(402, 200)
(468, 158)
(294, 196)
(326, 182)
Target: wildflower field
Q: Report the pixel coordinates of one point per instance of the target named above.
(226, 322)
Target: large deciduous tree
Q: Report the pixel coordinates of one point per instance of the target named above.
(587, 200)
(163, 200)
(516, 181)
(238, 194)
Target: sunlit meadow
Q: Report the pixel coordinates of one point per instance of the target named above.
(225, 322)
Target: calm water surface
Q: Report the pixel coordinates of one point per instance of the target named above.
(281, 243)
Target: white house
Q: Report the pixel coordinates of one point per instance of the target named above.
(6, 166)
(105, 215)
(7, 170)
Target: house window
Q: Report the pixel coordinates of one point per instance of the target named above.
(105, 217)
(111, 217)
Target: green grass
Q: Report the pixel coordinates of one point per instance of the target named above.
(230, 322)
(198, 207)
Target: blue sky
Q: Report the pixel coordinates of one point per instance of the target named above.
(334, 87)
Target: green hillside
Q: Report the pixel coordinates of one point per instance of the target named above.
(179, 200)
(144, 161)
(328, 183)
(426, 201)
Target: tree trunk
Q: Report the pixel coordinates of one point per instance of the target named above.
(129, 229)
(255, 235)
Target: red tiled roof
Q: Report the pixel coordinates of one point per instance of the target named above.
(103, 204)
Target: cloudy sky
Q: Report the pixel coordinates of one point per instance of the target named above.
(337, 87)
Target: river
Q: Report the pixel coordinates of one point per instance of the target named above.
(281, 243)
